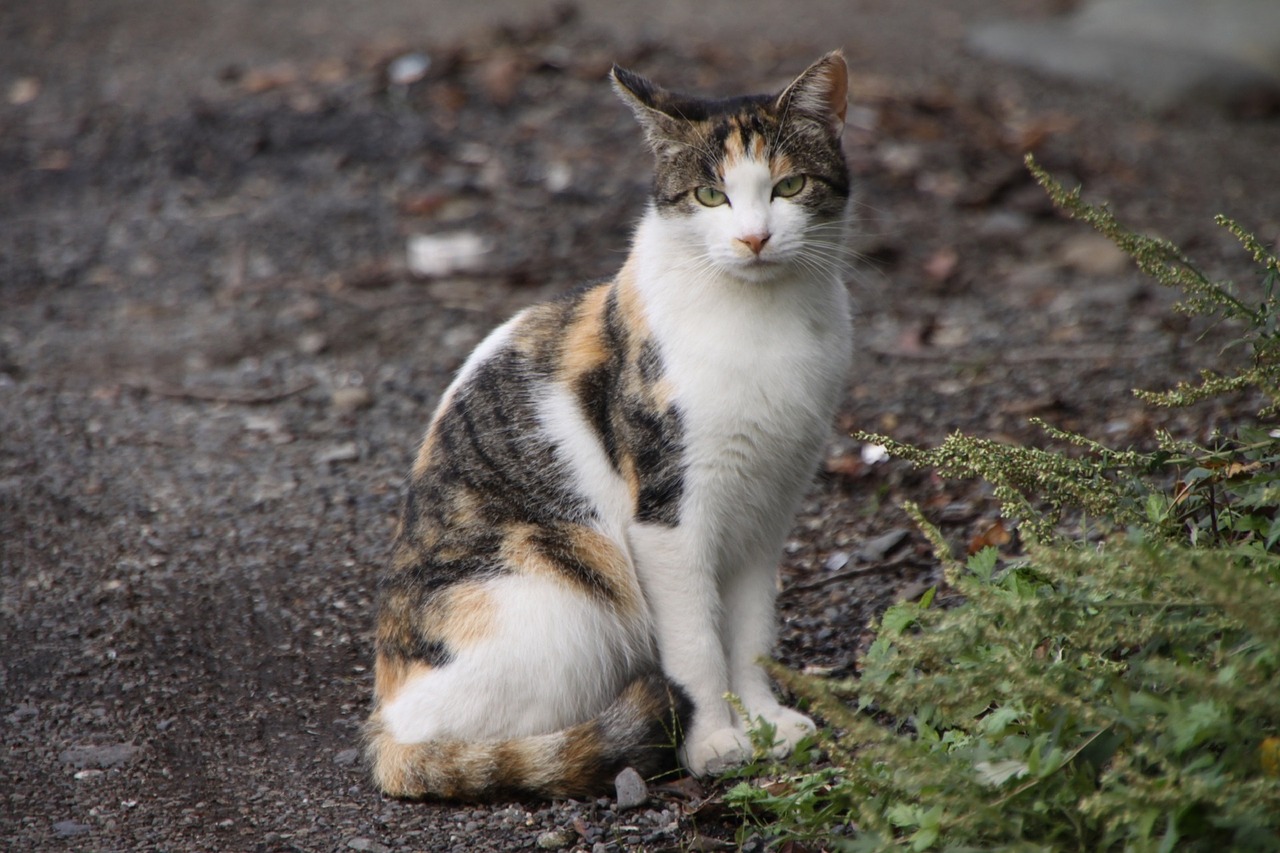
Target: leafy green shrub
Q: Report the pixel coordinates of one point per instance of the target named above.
(1122, 695)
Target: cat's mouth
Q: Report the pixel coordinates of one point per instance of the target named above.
(758, 269)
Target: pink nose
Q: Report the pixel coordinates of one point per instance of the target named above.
(755, 242)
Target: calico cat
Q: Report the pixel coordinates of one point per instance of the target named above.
(586, 563)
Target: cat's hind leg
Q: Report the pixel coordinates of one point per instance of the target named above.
(526, 654)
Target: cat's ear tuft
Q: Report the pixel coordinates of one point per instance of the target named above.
(646, 100)
(634, 90)
(820, 93)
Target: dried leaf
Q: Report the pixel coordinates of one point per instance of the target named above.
(844, 465)
(258, 80)
(994, 536)
(501, 78)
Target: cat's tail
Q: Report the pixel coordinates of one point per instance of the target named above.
(640, 729)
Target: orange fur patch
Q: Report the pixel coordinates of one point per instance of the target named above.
(463, 616)
(628, 465)
(390, 673)
(599, 552)
(596, 552)
(425, 451)
(781, 166)
(733, 150)
(520, 553)
(629, 304)
(583, 349)
(390, 762)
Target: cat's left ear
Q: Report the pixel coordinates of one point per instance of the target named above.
(820, 93)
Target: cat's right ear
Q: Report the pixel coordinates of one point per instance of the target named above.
(647, 100)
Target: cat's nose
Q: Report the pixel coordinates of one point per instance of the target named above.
(755, 242)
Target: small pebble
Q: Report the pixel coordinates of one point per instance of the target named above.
(409, 68)
(368, 844)
(24, 90)
(348, 401)
(109, 755)
(873, 453)
(312, 343)
(347, 451)
(875, 550)
(555, 839)
(442, 254)
(23, 712)
(838, 560)
(346, 757)
(1093, 254)
(68, 828)
(632, 790)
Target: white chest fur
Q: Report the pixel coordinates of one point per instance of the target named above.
(757, 368)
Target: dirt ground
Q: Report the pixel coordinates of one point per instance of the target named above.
(215, 363)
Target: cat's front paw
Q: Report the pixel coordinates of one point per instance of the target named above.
(717, 752)
(790, 727)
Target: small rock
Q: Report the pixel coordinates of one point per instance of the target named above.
(407, 69)
(632, 790)
(555, 839)
(873, 453)
(912, 591)
(558, 176)
(367, 844)
(24, 90)
(110, 755)
(1004, 223)
(85, 775)
(347, 451)
(347, 757)
(442, 254)
(312, 343)
(23, 711)
(68, 828)
(348, 401)
(838, 560)
(1093, 254)
(270, 426)
(875, 550)
(270, 489)
(958, 511)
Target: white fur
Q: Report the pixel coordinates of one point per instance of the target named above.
(588, 467)
(555, 658)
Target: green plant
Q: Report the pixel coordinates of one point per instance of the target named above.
(1114, 695)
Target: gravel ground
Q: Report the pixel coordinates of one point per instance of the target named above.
(215, 360)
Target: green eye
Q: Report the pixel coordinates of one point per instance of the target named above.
(710, 196)
(787, 187)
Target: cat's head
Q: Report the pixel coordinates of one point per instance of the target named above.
(754, 185)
